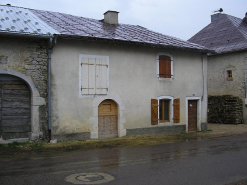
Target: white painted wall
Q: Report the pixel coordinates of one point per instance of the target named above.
(132, 81)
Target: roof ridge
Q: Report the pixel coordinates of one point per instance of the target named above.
(242, 31)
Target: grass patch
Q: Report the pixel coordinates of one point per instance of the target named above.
(127, 141)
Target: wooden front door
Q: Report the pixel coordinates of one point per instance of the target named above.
(192, 115)
(15, 109)
(108, 119)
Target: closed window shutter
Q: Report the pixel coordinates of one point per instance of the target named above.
(101, 76)
(164, 66)
(176, 110)
(154, 111)
(88, 76)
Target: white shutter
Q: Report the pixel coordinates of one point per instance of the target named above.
(91, 76)
(87, 76)
(101, 76)
(84, 75)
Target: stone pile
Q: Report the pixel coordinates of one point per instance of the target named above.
(225, 109)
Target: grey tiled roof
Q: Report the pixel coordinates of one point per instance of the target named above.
(74, 26)
(226, 34)
(16, 20)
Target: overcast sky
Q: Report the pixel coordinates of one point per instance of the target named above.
(177, 18)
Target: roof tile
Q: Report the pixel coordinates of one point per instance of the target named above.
(39, 22)
(225, 34)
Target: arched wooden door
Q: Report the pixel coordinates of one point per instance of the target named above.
(108, 119)
(15, 108)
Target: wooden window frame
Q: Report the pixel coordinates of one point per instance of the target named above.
(162, 103)
(159, 76)
(170, 98)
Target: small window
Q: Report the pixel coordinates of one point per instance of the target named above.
(229, 75)
(164, 111)
(164, 66)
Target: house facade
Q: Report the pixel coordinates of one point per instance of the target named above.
(111, 80)
(226, 35)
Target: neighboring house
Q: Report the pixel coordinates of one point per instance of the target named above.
(227, 35)
(108, 79)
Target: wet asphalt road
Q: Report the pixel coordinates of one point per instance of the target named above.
(214, 161)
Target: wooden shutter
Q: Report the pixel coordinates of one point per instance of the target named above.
(88, 76)
(154, 111)
(164, 66)
(176, 110)
(101, 76)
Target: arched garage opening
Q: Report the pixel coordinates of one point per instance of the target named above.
(15, 107)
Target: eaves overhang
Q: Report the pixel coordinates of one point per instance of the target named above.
(119, 41)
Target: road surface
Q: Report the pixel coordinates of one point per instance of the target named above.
(213, 161)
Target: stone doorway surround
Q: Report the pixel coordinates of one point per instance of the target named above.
(36, 101)
(94, 120)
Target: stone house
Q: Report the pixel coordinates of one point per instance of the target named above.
(227, 85)
(109, 79)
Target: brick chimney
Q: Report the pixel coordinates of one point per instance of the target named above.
(111, 17)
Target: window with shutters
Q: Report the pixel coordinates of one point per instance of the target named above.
(93, 74)
(165, 109)
(164, 66)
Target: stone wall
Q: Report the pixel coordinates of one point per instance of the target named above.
(28, 56)
(225, 109)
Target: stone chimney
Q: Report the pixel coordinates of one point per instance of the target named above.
(111, 17)
(216, 14)
(245, 18)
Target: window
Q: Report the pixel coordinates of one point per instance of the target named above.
(164, 66)
(93, 76)
(229, 75)
(165, 109)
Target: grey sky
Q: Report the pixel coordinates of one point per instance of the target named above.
(177, 18)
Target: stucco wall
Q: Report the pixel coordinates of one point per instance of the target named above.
(132, 80)
(26, 58)
(217, 76)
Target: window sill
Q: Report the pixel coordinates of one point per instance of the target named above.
(165, 124)
(91, 95)
(165, 79)
(229, 79)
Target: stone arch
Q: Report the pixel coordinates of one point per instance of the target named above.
(107, 119)
(94, 120)
(36, 101)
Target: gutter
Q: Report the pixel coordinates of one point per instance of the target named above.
(25, 35)
(52, 43)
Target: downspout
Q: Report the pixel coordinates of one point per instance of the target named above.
(202, 77)
(52, 43)
(245, 81)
